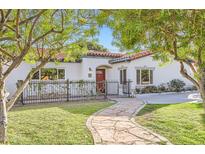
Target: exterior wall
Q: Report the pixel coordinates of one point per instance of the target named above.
(72, 72)
(79, 71)
(94, 63)
(161, 74)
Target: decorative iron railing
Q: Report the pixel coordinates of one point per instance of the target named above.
(39, 91)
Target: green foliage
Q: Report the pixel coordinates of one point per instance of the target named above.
(176, 85)
(67, 31)
(170, 34)
(96, 46)
(149, 89)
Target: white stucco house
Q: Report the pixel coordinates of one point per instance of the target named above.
(140, 68)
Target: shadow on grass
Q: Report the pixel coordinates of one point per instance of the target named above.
(67, 106)
(203, 119)
(151, 108)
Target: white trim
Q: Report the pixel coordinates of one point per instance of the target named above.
(145, 67)
(123, 74)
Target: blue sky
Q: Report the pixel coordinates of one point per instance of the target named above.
(105, 38)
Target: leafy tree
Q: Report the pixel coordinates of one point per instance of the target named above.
(38, 36)
(96, 46)
(170, 34)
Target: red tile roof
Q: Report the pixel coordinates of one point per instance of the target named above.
(139, 55)
(131, 57)
(116, 57)
(104, 54)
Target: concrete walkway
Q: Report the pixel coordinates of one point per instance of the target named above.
(170, 98)
(114, 125)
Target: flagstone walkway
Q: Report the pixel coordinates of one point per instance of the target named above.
(114, 125)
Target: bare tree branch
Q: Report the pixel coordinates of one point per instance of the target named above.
(32, 27)
(2, 16)
(24, 84)
(17, 29)
(19, 59)
(29, 19)
(6, 53)
(42, 36)
(52, 30)
(183, 71)
(7, 39)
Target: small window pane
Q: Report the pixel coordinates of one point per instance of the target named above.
(145, 79)
(121, 77)
(89, 75)
(151, 76)
(61, 74)
(49, 74)
(124, 76)
(138, 76)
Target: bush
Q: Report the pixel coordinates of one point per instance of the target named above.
(191, 88)
(137, 90)
(194, 88)
(176, 85)
(162, 88)
(149, 89)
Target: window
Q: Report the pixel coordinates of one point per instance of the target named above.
(89, 75)
(123, 76)
(144, 76)
(61, 74)
(49, 74)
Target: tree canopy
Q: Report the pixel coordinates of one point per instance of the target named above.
(170, 34)
(37, 36)
(96, 46)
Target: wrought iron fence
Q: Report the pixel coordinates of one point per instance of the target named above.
(126, 87)
(39, 91)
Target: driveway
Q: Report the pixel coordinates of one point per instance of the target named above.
(170, 98)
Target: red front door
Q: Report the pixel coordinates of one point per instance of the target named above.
(100, 78)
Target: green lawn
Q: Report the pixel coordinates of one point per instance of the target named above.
(179, 123)
(62, 123)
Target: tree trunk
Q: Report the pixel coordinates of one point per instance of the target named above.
(20, 89)
(3, 115)
(3, 111)
(202, 87)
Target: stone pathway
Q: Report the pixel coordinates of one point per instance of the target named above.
(114, 125)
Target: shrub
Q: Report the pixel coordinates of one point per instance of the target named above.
(176, 85)
(162, 88)
(194, 88)
(191, 88)
(137, 90)
(149, 89)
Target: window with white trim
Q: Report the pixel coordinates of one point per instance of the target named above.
(144, 76)
(123, 76)
(49, 74)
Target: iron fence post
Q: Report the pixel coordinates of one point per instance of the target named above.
(118, 88)
(128, 88)
(106, 88)
(67, 87)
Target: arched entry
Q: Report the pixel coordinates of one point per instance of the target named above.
(101, 77)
